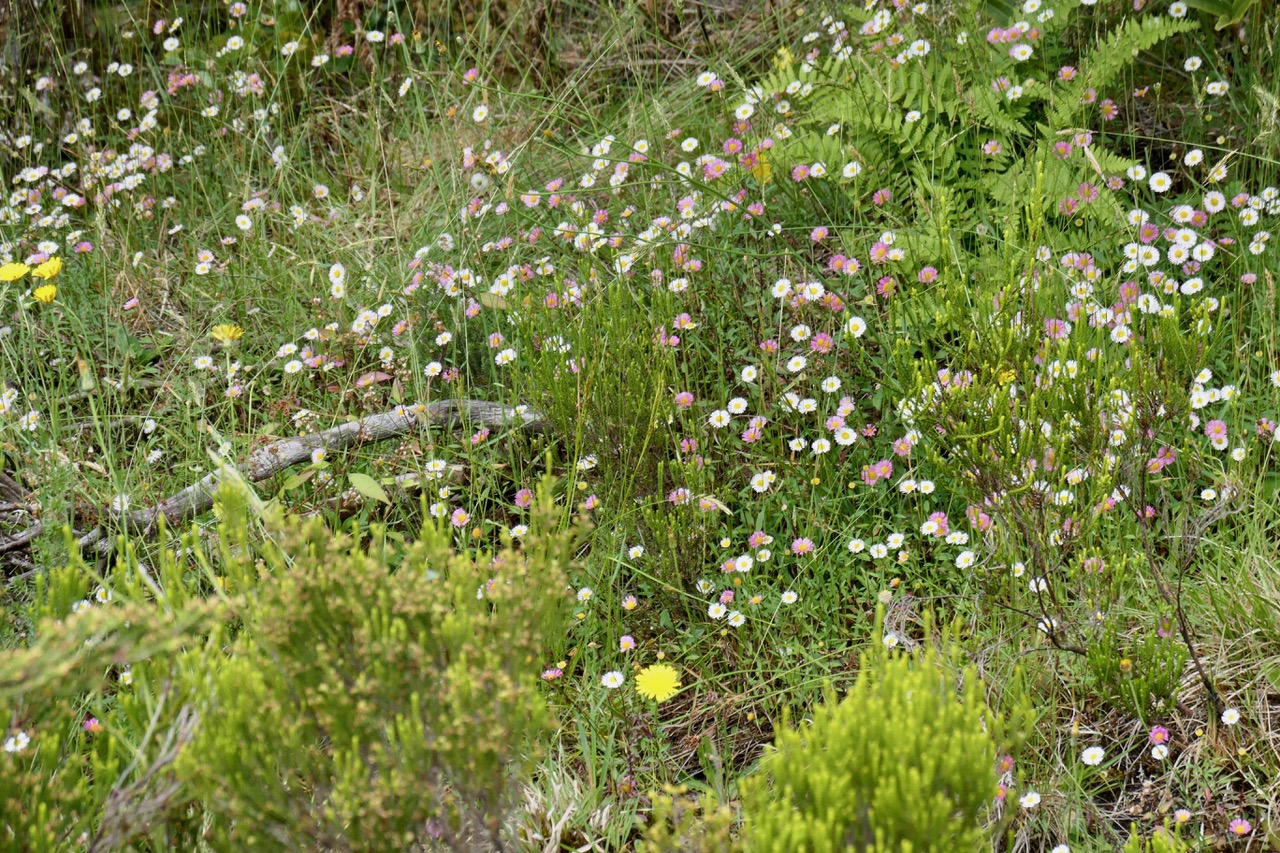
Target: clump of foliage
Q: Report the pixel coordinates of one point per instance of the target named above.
(964, 130)
(1165, 839)
(359, 693)
(1139, 675)
(387, 685)
(902, 762)
(88, 752)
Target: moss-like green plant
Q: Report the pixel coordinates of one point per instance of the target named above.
(902, 763)
(381, 697)
(88, 742)
(349, 695)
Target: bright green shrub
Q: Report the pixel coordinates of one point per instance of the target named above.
(351, 695)
(379, 697)
(902, 763)
(89, 741)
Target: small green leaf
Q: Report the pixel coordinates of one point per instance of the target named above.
(300, 478)
(369, 487)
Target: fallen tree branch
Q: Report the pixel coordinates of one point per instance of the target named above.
(275, 457)
(11, 560)
(12, 493)
(23, 539)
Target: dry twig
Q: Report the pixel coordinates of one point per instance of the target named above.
(277, 456)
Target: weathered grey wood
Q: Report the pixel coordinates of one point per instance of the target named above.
(279, 455)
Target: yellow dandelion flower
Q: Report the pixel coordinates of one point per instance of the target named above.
(225, 333)
(13, 272)
(45, 293)
(48, 269)
(658, 682)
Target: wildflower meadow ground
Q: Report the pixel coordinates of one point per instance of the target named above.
(589, 426)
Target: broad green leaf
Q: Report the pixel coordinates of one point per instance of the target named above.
(1242, 8)
(369, 487)
(300, 478)
(1004, 12)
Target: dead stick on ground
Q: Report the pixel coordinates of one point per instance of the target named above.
(23, 538)
(275, 457)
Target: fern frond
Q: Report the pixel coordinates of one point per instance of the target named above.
(1108, 59)
(988, 109)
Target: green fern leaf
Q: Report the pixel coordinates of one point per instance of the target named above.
(1107, 60)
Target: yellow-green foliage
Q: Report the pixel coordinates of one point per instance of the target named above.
(71, 783)
(378, 696)
(367, 695)
(904, 762)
